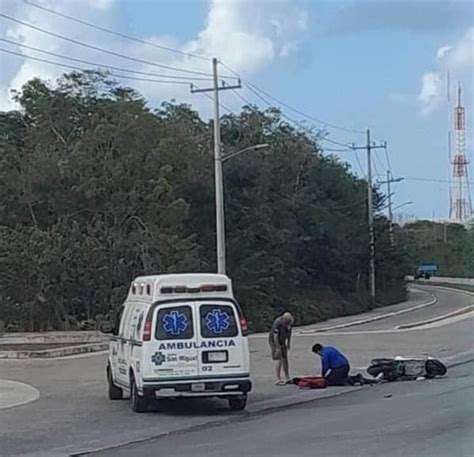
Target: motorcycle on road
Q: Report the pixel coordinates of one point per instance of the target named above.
(406, 368)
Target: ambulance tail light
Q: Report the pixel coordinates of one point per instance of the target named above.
(147, 331)
(244, 326)
(213, 288)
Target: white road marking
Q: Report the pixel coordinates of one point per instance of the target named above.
(13, 393)
(395, 330)
(446, 321)
(312, 332)
(379, 317)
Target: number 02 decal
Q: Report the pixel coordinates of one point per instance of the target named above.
(206, 368)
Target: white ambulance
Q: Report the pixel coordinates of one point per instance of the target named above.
(179, 335)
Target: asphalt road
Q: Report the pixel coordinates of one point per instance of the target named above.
(423, 419)
(446, 303)
(73, 413)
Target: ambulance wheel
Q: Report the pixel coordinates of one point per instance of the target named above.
(138, 403)
(115, 393)
(238, 403)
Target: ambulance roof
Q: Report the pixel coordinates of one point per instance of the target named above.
(153, 287)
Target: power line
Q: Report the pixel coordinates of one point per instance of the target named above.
(49, 62)
(432, 180)
(336, 150)
(346, 147)
(379, 161)
(288, 106)
(256, 91)
(112, 67)
(350, 205)
(97, 48)
(238, 94)
(387, 157)
(113, 32)
(220, 103)
(299, 124)
(302, 113)
(359, 163)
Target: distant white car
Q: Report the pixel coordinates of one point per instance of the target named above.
(180, 335)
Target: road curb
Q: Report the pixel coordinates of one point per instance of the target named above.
(459, 312)
(73, 336)
(55, 352)
(459, 359)
(371, 319)
(450, 288)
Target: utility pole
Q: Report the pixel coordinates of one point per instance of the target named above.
(218, 177)
(389, 181)
(370, 209)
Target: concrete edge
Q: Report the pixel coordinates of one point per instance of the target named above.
(56, 352)
(433, 300)
(273, 405)
(450, 288)
(459, 312)
(459, 359)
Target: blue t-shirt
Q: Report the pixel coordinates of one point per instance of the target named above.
(331, 358)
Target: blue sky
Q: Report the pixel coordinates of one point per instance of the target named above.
(356, 63)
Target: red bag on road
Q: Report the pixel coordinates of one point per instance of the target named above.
(310, 382)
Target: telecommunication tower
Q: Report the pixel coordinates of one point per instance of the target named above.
(460, 208)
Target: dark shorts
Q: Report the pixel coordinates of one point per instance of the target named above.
(279, 352)
(338, 376)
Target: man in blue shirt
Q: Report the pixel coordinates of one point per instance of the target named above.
(334, 365)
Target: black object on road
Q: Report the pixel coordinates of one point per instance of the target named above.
(406, 369)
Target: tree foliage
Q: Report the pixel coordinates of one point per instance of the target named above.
(449, 245)
(97, 188)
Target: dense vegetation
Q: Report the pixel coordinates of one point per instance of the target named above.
(97, 188)
(449, 245)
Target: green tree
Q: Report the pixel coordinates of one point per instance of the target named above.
(97, 188)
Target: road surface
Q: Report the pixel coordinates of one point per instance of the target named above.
(73, 414)
(423, 419)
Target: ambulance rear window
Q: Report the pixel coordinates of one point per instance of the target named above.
(218, 321)
(174, 323)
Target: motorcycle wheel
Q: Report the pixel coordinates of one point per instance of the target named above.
(434, 368)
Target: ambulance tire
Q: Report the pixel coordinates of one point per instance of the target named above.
(115, 393)
(238, 403)
(138, 403)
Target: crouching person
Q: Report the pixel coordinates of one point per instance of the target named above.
(334, 365)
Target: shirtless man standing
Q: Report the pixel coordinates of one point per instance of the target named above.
(279, 340)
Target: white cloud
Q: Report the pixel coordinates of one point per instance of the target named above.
(102, 4)
(277, 25)
(461, 55)
(441, 52)
(15, 70)
(245, 35)
(289, 48)
(458, 60)
(430, 91)
(303, 20)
